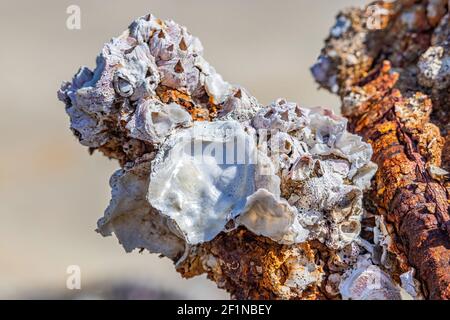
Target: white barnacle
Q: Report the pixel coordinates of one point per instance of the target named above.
(217, 88)
(411, 285)
(153, 121)
(123, 84)
(367, 281)
(434, 67)
(138, 75)
(272, 217)
(143, 28)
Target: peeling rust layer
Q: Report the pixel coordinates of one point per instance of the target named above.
(393, 79)
(405, 191)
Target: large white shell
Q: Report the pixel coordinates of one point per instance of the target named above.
(203, 176)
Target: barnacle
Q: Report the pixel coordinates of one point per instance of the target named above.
(368, 282)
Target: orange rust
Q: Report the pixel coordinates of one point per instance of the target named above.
(168, 95)
(251, 267)
(401, 136)
(198, 112)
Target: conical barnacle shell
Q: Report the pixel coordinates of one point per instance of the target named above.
(138, 75)
(217, 88)
(368, 282)
(123, 84)
(153, 121)
(273, 218)
(239, 106)
(142, 29)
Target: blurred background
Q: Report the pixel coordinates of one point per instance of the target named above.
(52, 191)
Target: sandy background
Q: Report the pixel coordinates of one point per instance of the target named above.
(52, 192)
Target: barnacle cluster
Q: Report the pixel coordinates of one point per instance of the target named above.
(267, 200)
